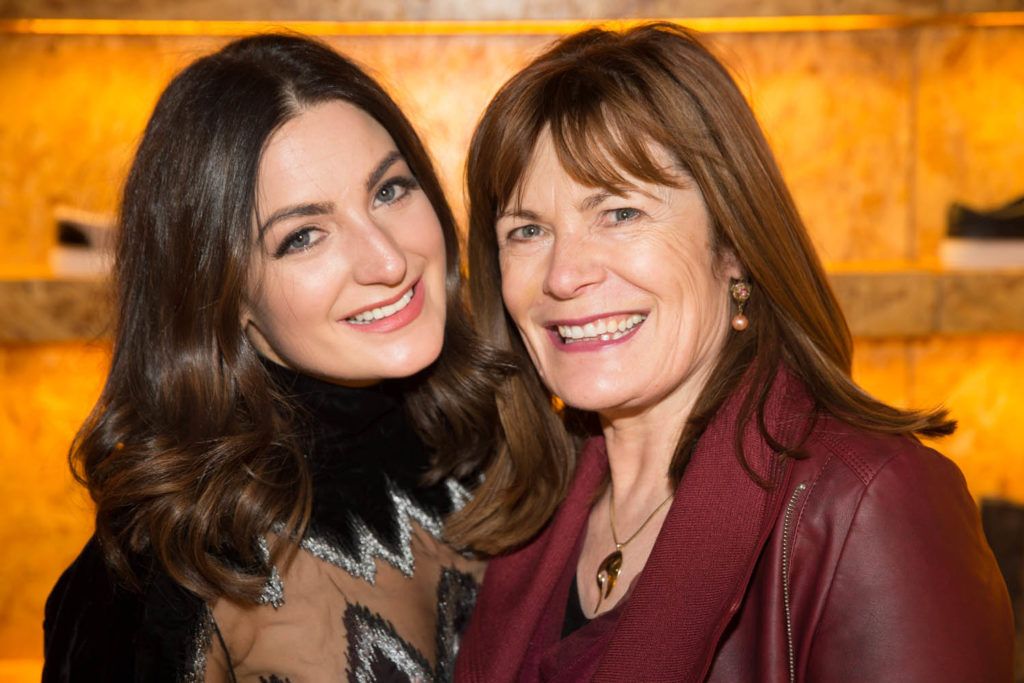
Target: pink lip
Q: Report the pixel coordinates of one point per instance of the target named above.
(392, 322)
(594, 344)
(379, 304)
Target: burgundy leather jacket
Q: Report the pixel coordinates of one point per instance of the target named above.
(865, 563)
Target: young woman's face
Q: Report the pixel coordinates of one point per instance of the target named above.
(348, 277)
(619, 299)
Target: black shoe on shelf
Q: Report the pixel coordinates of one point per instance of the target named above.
(1004, 222)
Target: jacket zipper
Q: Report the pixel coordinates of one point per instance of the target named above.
(786, 525)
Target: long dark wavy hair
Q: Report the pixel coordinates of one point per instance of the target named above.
(190, 454)
(604, 96)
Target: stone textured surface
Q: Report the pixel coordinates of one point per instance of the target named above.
(979, 380)
(970, 125)
(70, 142)
(53, 310)
(835, 107)
(882, 367)
(984, 5)
(887, 304)
(981, 301)
(45, 394)
(357, 10)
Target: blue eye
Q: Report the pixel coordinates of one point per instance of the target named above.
(393, 190)
(525, 233)
(625, 214)
(300, 240)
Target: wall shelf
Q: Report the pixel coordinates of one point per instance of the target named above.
(878, 303)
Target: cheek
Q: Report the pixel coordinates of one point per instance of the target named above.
(512, 292)
(295, 298)
(422, 234)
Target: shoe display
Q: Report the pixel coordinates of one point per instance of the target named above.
(84, 243)
(984, 238)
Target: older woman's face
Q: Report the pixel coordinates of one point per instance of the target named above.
(619, 299)
(348, 275)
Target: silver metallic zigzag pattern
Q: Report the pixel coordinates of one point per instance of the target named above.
(362, 563)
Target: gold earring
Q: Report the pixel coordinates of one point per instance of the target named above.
(740, 291)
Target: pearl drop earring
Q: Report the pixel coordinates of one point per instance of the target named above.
(740, 291)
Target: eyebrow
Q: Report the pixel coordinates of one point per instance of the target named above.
(310, 209)
(323, 208)
(587, 204)
(594, 200)
(387, 162)
(524, 214)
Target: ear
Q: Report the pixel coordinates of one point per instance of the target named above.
(729, 266)
(245, 315)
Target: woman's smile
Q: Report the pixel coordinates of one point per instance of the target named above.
(390, 315)
(595, 332)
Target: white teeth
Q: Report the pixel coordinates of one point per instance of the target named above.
(606, 329)
(382, 312)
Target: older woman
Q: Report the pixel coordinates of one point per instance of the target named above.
(281, 433)
(742, 511)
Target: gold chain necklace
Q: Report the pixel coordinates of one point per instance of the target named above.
(609, 569)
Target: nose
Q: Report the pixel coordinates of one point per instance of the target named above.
(377, 259)
(573, 266)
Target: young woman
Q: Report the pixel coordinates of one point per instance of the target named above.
(742, 510)
(280, 435)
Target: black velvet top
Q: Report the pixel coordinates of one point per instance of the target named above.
(373, 595)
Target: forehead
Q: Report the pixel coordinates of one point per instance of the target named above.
(613, 167)
(332, 138)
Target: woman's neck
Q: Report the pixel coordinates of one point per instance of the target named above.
(641, 443)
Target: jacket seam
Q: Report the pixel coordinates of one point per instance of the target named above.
(807, 498)
(863, 470)
(827, 600)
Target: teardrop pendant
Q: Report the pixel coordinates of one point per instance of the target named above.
(607, 573)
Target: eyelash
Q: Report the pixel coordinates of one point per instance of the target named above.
(515, 235)
(407, 183)
(635, 213)
(289, 241)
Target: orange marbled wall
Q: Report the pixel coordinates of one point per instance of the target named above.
(45, 393)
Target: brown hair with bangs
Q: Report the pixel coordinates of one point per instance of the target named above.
(605, 97)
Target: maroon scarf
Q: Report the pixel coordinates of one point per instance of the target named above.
(681, 602)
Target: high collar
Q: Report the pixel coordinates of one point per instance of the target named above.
(334, 408)
(368, 467)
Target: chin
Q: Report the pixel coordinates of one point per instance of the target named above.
(589, 402)
(412, 361)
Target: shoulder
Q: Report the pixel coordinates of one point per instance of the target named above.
(95, 628)
(890, 530)
(879, 462)
(889, 492)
